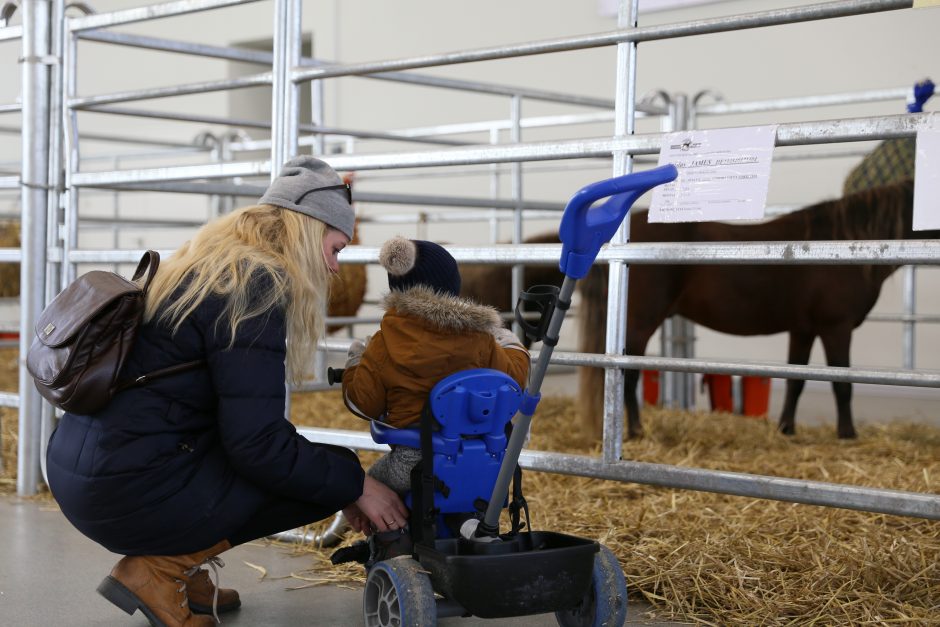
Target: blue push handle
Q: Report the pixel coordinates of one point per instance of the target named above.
(584, 229)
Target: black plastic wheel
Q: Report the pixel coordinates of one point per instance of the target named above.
(398, 594)
(605, 604)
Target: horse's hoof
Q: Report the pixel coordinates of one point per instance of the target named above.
(847, 435)
(787, 429)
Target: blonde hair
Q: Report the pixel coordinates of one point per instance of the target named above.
(281, 245)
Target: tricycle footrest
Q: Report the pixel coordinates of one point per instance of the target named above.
(532, 573)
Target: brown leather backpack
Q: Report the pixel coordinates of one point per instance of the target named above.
(84, 336)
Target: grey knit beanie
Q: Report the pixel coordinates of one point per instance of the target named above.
(412, 262)
(311, 187)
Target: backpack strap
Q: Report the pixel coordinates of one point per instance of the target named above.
(149, 263)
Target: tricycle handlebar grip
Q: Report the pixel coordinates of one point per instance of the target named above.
(585, 228)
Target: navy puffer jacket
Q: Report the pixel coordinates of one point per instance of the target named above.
(181, 463)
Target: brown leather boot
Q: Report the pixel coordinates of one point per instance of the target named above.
(156, 584)
(200, 591)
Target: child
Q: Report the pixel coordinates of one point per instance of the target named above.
(427, 333)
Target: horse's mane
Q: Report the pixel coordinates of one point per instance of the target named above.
(877, 213)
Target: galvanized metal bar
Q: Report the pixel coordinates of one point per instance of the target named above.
(803, 102)
(203, 87)
(124, 139)
(258, 144)
(868, 252)
(921, 378)
(921, 318)
(171, 173)
(486, 126)
(71, 158)
(787, 134)
(894, 502)
(616, 331)
(11, 255)
(876, 376)
(11, 33)
(863, 252)
(13, 107)
(266, 58)
(908, 345)
(147, 13)
(56, 177)
(9, 400)
(880, 500)
(760, 19)
(34, 191)
(515, 185)
(242, 55)
(280, 86)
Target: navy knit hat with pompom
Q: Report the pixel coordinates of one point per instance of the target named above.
(411, 262)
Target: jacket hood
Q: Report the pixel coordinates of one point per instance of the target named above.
(446, 312)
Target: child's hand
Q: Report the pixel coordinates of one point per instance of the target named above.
(354, 354)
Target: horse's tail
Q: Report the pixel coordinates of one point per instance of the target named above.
(592, 332)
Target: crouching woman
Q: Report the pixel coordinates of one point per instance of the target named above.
(174, 472)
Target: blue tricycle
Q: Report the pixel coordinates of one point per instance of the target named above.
(460, 564)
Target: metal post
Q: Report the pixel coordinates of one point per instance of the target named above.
(284, 91)
(494, 189)
(71, 155)
(34, 192)
(910, 308)
(616, 339)
(677, 334)
(515, 136)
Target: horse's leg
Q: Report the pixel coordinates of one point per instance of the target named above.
(836, 344)
(637, 339)
(801, 345)
(630, 379)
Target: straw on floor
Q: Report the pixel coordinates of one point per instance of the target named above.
(710, 558)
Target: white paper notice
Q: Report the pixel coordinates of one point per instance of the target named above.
(723, 175)
(927, 180)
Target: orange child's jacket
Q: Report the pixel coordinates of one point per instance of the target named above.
(423, 337)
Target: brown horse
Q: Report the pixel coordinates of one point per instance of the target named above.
(802, 300)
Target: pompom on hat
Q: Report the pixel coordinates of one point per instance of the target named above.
(412, 262)
(310, 186)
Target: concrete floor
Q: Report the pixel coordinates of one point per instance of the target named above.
(49, 572)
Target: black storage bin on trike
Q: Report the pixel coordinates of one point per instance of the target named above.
(458, 562)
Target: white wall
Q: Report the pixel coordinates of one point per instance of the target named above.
(879, 51)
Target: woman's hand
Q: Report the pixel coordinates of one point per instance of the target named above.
(380, 505)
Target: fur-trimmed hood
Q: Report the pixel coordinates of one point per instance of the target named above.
(446, 312)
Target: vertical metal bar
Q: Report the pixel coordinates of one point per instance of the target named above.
(72, 157)
(515, 136)
(284, 111)
(318, 114)
(54, 199)
(494, 189)
(677, 336)
(616, 339)
(286, 52)
(910, 308)
(36, 46)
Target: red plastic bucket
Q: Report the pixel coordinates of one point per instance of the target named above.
(651, 387)
(747, 395)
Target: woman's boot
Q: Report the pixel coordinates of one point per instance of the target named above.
(201, 590)
(156, 584)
